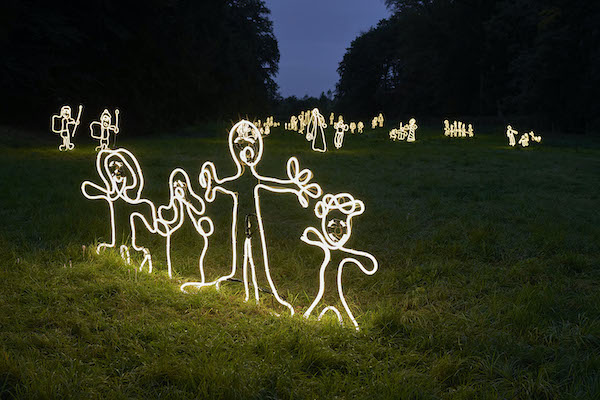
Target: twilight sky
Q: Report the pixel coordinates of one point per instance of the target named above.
(313, 36)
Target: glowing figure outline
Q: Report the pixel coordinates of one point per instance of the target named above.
(105, 127)
(65, 120)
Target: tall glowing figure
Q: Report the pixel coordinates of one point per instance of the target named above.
(315, 131)
(332, 237)
(65, 125)
(340, 128)
(246, 148)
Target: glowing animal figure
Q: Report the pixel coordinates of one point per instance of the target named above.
(104, 127)
(122, 179)
(180, 204)
(315, 130)
(331, 119)
(340, 127)
(332, 237)
(360, 126)
(510, 133)
(246, 148)
(380, 120)
(65, 126)
(352, 127)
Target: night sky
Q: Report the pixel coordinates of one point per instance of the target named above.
(313, 36)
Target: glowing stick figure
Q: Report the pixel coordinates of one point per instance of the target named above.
(352, 127)
(524, 140)
(293, 123)
(315, 131)
(446, 128)
(122, 179)
(510, 133)
(394, 134)
(380, 120)
(360, 126)
(470, 131)
(332, 237)
(246, 148)
(374, 123)
(535, 138)
(301, 122)
(412, 128)
(340, 128)
(104, 128)
(179, 205)
(331, 118)
(60, 124)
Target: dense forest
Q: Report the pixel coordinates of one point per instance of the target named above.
(504, 58)
(163, 62)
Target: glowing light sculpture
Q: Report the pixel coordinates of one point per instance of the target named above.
(246, 149)
(457, 129)
(332, 237)
(360, 126)
(380, 120)
(405, 132)
(534, 138)
(100, 130)
(315, 130)
(524, 140)
(412, 129)
(352, 127)
(510, 133)
(340, 127)
(65, 125)
(331, 119)
(374, 123)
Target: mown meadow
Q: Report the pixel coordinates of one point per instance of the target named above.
(488, 283)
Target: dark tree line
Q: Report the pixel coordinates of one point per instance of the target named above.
(504, 58)
(162, 62)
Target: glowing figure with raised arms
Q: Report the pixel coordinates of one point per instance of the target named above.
(65, 125)
(101, 130)
(340, 128)
(246, 148)
(315, 129)
(332, 237)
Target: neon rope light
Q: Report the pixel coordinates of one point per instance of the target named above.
(331, 118)
(510, 133)
(100, 130)
(457, 129)
(360, 126)
(315, 131)
(352, 127)
(374, 123)
(340, 128)
(65, 125)
(246, 149)
(380, 120)
(332, 237)
(405, 132)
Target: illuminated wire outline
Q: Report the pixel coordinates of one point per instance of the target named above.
(105, 127)
(63, 131)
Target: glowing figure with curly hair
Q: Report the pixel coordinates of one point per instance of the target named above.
(336, 213)
(246, 148)
(65, 125)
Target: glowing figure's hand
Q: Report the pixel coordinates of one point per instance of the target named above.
(302, 178)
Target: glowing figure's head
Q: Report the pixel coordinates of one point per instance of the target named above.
(412, 121)
(65, 112)
(336, 213)
(122, 173)
(105, 118)
(245, 143)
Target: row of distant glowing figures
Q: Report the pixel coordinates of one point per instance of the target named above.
(65, 126)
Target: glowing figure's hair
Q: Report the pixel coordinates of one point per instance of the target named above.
(333, 236)
(60, 124)
(246, 149)
(104, 128)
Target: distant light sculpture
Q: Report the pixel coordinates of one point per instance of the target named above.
(412, 129)
(65, 125)
(534, 138)
(331, 118)
(510, 133)
(301, 123)
(405, 131)
(340, 127)
(246, 149)
(315, 130)
(380, 120)
(374, 123)
(360, 126)
(100, 130)
(294, 123)
(524, 140)
(457, 129)
(352, 127)
(332, 237)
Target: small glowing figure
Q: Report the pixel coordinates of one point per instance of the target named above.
(510, 133)
(394, 134)
(360, 126)
(65, 126)
(412, 129)
(374, 123)
(332, 237)
(315, 130)
(524, 140)
(352, 127)
(340, 127)
(534, 138)
(470, 131)
(380, 120)
(246, 149)
(301, 123)
(446, 128)
(294, 123)
(331, 118)
(104, 128)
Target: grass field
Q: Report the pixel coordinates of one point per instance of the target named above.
(488, 286)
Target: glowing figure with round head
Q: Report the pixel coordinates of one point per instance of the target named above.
(101, 130)
(293, 123)
(352, 127)
(524, 140)
(412, 129)
(446, 128)
(65, 125)
(360, 126)
(336, 213)
(374, 123)
(380, 120)
(331, 118)
(510, 133)
(534, 138)
(246, 148)
(470, 132)
(172, 216)
(340, 128)
(315, 131)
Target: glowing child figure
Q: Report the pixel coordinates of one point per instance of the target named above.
(246, 148)
(412, 128)
(380, 120)
(470, 132)
(331, 119)
(340, 128)
(446, 128)
(314, 130)
(352, 127)
(60, 124)
(104, 128)
(510, 133)
(374, 123)
(360, 126)
(524, 140)
(332, 237)
(179, 206)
